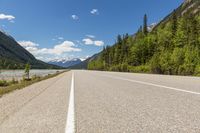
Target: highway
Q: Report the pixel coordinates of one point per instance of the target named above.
(104, 102)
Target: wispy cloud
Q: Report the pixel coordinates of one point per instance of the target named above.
(75, 17)
(90, 36)
(7, 17)
(60, 38)
(94, 11)
(89, 41)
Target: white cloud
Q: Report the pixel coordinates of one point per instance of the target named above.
(43, 58)
(32, 49)
(46, 53)
(28, 44)
(7, 17)
(94, 12)
(90, 36)
(75, 17)
(89, 41)
(99, 43)
(66, 46)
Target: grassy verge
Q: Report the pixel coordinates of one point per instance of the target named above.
(9, 86)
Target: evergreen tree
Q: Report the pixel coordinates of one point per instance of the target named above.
(145, 25)
(174, 23)
(173, 47)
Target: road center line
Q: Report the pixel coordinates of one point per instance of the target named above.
(70, 124)
(156, 85)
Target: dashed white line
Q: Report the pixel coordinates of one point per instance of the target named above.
(156, 85)
(70, 124)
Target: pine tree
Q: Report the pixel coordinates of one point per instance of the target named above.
(145, 25)
(119, 39)
(174, 23)
(140, 29)
(171, 48)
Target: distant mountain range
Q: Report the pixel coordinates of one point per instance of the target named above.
(14, 56)
(84, 64)
(65, 62)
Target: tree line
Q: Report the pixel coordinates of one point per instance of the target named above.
(171, 48)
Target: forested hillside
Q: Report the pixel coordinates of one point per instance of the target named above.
(14, 56)
(172, 47)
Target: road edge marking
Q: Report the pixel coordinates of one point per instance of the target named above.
(70, 124)
(156, 85)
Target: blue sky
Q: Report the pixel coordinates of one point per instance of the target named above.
(76, 28)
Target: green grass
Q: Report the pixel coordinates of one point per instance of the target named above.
(9, 86)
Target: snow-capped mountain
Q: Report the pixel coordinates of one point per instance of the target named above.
(150, 27)
(65, 62)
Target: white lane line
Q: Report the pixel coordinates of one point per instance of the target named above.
(70, 124)
(156, 85)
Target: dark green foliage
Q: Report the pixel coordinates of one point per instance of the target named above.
(27, 70)
(145, 25)
(174, 23)
(3, 83)
(173, 47)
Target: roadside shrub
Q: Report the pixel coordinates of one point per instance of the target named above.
(35, 77)
(139, 69)
(155, 66)
(124, 67)
(3, 83)
(115, 68)
(13, 81)
(197, 70)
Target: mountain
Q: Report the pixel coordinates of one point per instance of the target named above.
(188, 6)
(65, 62)
(84, 64)
(13, 55)
(172, 46)
(151, 27)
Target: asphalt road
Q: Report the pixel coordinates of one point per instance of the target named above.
(104, 102)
